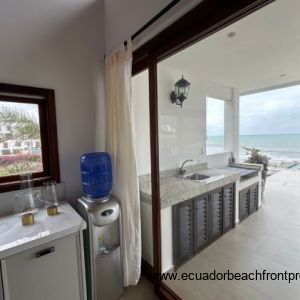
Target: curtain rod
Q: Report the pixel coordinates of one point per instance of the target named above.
(151, 21)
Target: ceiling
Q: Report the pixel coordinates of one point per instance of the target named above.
(177, 11)
(264, 52)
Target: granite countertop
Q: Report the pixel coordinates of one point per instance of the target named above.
(14, 237)
(174, 189)
(251, 166)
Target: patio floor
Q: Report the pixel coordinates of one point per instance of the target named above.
(269, 239)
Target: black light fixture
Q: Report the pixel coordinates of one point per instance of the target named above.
(182, 88)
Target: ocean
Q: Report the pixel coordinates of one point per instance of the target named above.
(279, 147)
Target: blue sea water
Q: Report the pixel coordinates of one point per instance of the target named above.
(279, 147)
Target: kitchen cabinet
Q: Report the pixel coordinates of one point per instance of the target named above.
(183, 222)
(199, 221)
(228, 207)
(201, 229)
(47, 272)
(244, 204)
(1, 288)
(44, 260)
(248, 201)
(253, 198)
(216, 223)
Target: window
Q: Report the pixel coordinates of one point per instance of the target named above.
(269, 121)
(214, 126)
(28, 137)
(22, 123)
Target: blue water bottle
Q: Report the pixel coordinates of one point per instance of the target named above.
(96, 174)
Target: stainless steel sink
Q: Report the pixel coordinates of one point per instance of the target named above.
(198, 177)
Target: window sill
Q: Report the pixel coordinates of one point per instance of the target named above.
(15, 185)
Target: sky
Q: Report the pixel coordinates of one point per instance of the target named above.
(214, 117)
(271, 112)
(31, 109)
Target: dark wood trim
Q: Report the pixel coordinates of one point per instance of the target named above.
(165, 293)
(20, 99)
(53, 141)
(23, 90)
(45, 99)
(15, 185)
(155, 180)
(147, 270)
(155, 18)
(205, 19)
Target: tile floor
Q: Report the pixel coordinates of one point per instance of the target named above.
(143, 291)
(269, 239)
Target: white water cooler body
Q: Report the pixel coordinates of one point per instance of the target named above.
(102, 247)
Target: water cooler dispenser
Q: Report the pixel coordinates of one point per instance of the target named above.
(102, 213)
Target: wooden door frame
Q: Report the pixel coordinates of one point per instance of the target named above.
(205, 19)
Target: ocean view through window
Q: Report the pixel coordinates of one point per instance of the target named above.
(214, 126)
(270, 121)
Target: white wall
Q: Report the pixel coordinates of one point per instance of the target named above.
(59, 45)
(124, 18)
(232, 124)
(182, 131)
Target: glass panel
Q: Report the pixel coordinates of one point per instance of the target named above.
(214, 126)
(20, 140)
(244, 79)
(140, 98)
(280, 143)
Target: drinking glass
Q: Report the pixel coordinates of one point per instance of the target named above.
(26, 206)
(50, 197)
(26, 181)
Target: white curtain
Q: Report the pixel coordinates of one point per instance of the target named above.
(120, 145)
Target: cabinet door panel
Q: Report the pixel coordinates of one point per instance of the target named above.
(1, 288)
(216, 213)
(201, 212)
(228, 207)
(243, 204)
(53, 275)
(183, 231)
(253, 198)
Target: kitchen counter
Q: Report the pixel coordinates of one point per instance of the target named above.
(245, 173)
(258, 167)
(174, 189)
(14, 237)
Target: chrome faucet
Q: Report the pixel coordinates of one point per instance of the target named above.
(182, 170)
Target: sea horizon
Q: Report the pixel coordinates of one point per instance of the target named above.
(262, 134)
(280, 147)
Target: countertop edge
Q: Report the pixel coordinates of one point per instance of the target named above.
(34, 241)
(40, 241)
(230, 178)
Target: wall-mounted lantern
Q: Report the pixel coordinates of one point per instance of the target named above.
(182, 88)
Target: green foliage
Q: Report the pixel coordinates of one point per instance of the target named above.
(21, 167)
(22, 125)
(256, 157)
